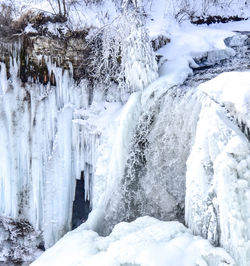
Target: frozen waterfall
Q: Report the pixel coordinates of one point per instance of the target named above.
(152, 178)
(172, 150)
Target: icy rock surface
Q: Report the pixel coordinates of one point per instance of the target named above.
(146, 241)
(217, 179)
(18, 241)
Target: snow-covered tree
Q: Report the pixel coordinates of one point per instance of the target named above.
(122, 53)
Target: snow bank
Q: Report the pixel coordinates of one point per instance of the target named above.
(146, 241)
(161, 11)
(87, 14)
(80, 13)
(233, 26)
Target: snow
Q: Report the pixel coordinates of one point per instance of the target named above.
(232, 90)
(188, 43)
(146, 241)
(30, 29)
(80, 13)
(140, 66)
(160, 13)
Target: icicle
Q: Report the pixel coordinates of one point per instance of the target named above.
(3, 79)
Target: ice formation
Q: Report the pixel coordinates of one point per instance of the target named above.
(217, 184)
(36, 150)
(51, 135)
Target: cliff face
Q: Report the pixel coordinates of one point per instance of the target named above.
(33, 50)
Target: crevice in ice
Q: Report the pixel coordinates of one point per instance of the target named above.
(81, 205)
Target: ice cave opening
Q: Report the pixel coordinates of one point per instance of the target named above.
(81, 205)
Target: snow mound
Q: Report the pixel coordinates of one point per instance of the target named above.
(145, 241)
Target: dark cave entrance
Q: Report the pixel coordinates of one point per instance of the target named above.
(81, 207)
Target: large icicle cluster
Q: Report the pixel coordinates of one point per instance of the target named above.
(50, 136)
(36, 150)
